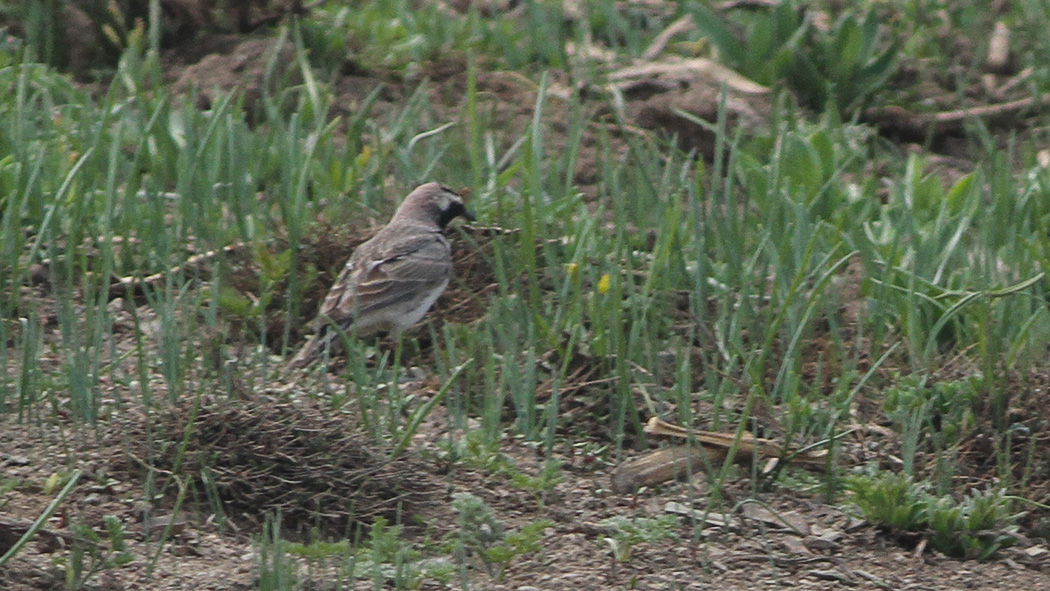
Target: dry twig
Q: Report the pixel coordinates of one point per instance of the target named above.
(130, 285)
(675, 462)
(901, 121)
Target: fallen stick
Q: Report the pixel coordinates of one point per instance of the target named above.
(682, 25)
(131, 284)
(713, 448)
(912, 124)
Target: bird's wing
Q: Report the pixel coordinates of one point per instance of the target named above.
(340, 297)
(392, 269)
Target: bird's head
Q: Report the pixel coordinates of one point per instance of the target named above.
(433, 203)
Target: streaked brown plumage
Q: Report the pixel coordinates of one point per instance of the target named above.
(391, 280)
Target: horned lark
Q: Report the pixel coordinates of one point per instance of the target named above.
(391, 280)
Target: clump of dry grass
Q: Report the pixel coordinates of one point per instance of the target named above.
(265, 455)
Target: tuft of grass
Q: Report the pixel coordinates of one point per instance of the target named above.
(933, 418)
(974, 527)
(840, 69)
(628, 532)
(481, 534)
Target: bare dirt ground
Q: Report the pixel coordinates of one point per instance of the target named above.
(826, 549)
(749, 549)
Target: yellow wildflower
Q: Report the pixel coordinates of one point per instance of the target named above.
(603, 284)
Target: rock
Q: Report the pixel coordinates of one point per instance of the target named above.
(824, 543)
(786, 520)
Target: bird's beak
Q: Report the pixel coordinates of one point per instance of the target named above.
(469, 215)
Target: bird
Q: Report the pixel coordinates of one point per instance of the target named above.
(391, 280)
